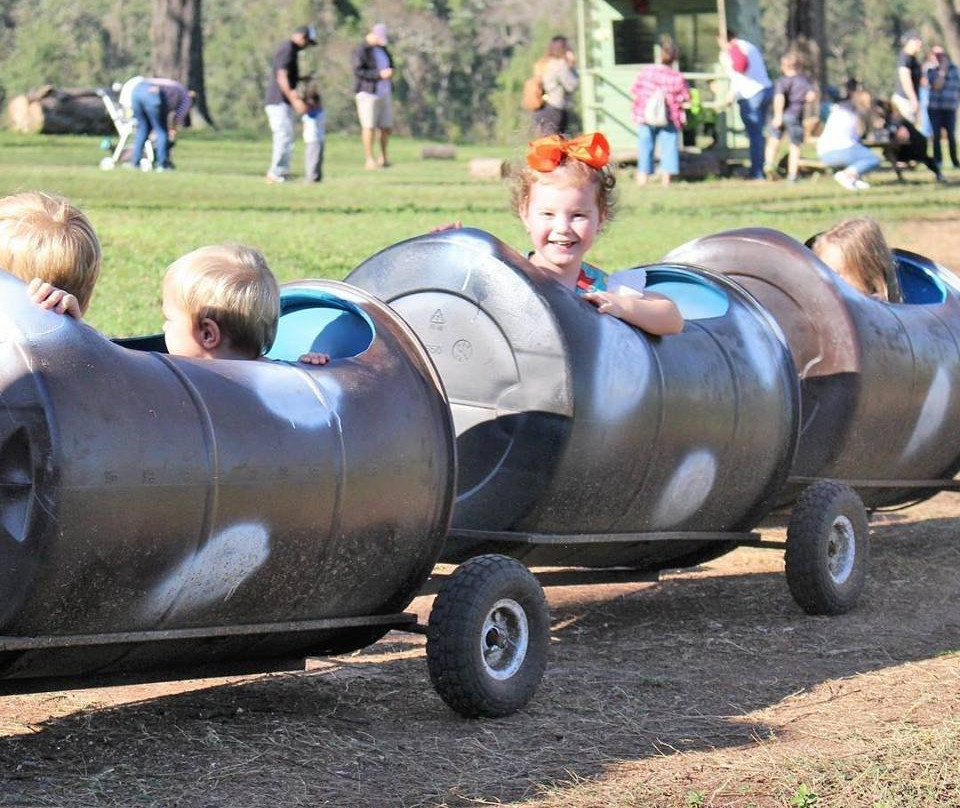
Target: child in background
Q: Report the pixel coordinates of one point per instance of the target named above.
(564, 196)
(856, 250)
(49, 243)
(314, 136)
(791, 92)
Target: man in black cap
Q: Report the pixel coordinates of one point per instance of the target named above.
(282, 99)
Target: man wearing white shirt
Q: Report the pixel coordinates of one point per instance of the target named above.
(750, 85)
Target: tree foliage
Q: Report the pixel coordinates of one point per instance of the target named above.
(461, 63)
(862, 36)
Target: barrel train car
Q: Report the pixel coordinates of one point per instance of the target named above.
(584, 443)
(159, 513)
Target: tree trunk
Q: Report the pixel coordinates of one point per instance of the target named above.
(807, 34)
(948, 15)
(176, 47)
(50, 111)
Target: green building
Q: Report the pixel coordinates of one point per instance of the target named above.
(618, 37)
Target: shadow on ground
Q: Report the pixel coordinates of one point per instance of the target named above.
(635, 671)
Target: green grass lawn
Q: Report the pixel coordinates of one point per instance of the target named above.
(145, 221)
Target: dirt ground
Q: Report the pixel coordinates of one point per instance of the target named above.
(710, 687)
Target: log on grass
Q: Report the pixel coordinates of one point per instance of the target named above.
(438, 151)
(488, 168)
(51, 111)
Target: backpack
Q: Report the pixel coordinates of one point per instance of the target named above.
(532, 96)
(738, 59)
(655, 109)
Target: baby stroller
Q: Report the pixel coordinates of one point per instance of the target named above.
(120, 112)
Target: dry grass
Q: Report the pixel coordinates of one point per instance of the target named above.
(710, 688)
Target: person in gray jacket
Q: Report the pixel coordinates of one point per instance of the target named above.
(560, 80)
(373, 74)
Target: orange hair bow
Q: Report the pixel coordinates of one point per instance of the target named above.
(546, 153)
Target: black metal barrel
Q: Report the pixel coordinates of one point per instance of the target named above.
(880, 382)
(163, 497)
(574, 425)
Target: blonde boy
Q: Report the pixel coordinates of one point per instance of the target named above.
(220, 302)
(47, 242)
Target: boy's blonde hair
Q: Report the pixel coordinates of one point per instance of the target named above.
(44, 236)
(232, 285)
(569, 173)
(867, 260)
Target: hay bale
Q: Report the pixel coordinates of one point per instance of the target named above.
(488, 168)
(438, 151)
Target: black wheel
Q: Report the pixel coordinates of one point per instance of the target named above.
(827, 549)
(487, 637)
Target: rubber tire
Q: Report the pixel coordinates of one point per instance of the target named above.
(807, 555)
(454, 632)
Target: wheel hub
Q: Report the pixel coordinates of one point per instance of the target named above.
(504, 639)
(841, 550)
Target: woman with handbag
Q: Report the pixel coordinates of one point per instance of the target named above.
(558, 75)
(659, 93)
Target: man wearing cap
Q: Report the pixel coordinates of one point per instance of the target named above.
(373, 72)
(282, 99)
(906, 96)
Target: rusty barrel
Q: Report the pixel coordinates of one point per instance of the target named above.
(880, 382)
(142, 493)
(574, 425)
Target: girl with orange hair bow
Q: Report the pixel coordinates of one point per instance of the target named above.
(564, 196)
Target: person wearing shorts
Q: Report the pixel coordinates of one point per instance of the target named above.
(792, 91)
(373, 74)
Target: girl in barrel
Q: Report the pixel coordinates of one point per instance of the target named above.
(857, 251)
(563, 194)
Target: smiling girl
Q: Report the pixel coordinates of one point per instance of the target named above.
(564, 196)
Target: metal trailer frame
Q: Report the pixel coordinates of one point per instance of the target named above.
(581, 576)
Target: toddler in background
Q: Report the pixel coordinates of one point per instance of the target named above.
(50, 244)
(792, 91)
(857, 251)
(314, 136)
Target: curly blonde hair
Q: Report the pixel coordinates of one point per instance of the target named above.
(570, 172)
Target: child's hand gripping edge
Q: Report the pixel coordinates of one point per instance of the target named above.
(48, 296)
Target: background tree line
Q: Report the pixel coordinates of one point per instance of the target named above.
(461, 63)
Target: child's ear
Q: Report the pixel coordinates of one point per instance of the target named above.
(209, 333)
(524, 214)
